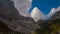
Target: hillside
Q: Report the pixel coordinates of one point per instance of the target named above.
(50, 26)
(4, 29)
(10, 16)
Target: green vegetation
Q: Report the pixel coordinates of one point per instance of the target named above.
(50, 28)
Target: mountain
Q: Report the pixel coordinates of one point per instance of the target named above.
(51, 25)
(36, 14)
(10, 16)
(56, 16)
(4, 29)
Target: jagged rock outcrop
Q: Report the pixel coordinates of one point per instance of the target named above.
(10, 16)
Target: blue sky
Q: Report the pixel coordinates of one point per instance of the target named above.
(45, 5)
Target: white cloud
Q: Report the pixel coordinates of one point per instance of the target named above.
(36, 14)
(53, 11)
(58, 9)
(23, 6)
(30, 0)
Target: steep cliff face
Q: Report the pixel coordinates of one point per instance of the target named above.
(10, 16)
(7, 8)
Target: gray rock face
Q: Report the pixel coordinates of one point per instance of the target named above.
(10, 16)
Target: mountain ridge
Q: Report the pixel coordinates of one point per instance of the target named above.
(11, 17)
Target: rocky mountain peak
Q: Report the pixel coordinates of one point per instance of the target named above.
(9, 15)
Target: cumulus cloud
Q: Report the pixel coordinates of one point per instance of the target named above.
(53, 11)
(36, 14)
(23, 6)
(58, 9)
(30, 0)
